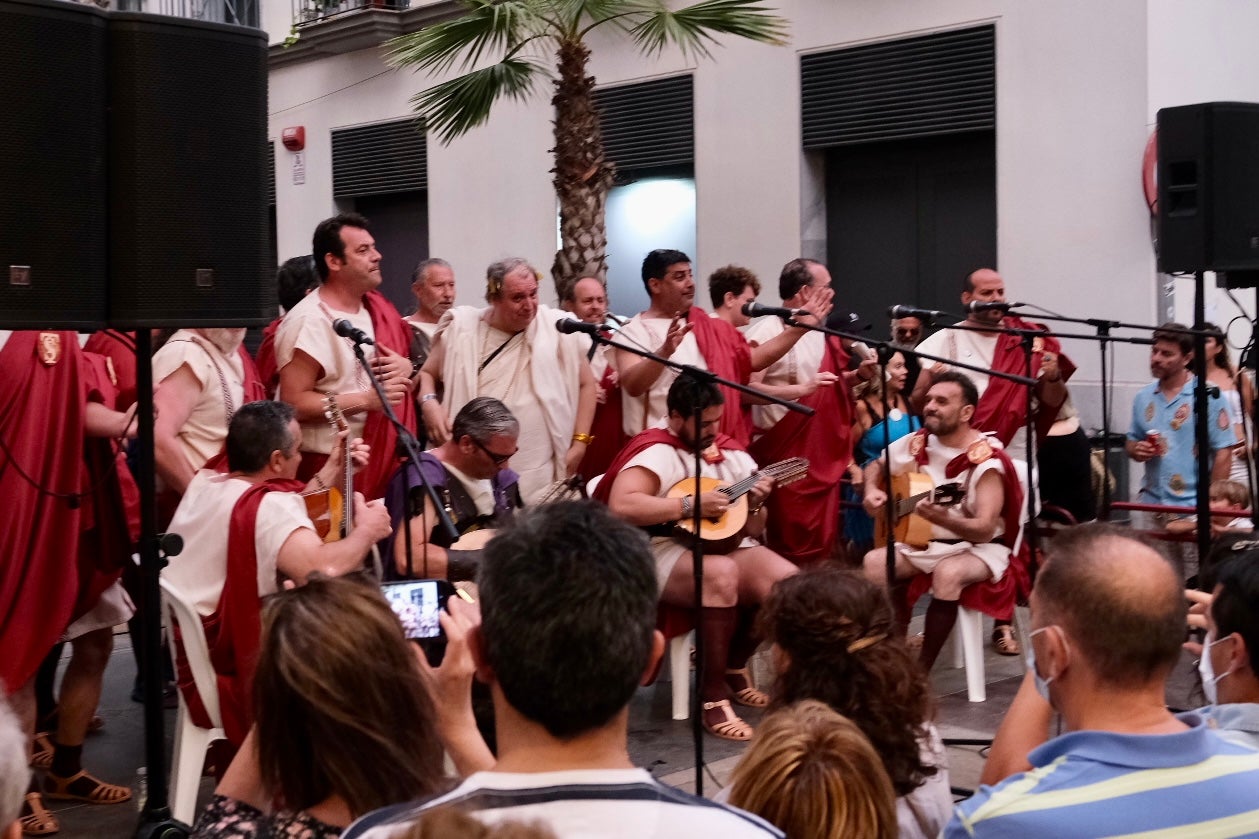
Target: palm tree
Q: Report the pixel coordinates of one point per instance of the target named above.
(524, 35)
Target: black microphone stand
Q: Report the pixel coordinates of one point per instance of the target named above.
(407, 440)
(697, 546)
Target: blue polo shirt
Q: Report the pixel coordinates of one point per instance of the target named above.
(1098, 783)
(1173, 478)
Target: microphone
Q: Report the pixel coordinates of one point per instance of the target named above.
(897, 312)
(345, 329)
(569, 325)
(754, 310)
(975, 306)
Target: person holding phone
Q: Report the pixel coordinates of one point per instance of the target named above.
(479, 492)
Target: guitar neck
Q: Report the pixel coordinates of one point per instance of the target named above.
(906, 505)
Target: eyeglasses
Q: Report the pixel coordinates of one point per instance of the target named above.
(500, 460)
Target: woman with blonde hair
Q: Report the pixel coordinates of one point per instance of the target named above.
(812, 774)
(835, 640)
(344, 723)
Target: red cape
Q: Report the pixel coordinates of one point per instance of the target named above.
(803, 523)
(606, 428)
(268, 372)
(726, 353)
(120, 349)
(1002, 409)
(41, 426)
(390, 331)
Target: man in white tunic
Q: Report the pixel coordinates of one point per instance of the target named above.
(512, 351)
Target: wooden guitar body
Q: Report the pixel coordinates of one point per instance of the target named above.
(723, 534)
(906, 491)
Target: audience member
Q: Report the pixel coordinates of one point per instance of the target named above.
(345, 723)
(1238, 394)
(568, 595)
(450, 823)
(811, 773)
(835, 640)
(1108, 618)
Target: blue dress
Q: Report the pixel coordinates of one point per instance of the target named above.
(858, 526)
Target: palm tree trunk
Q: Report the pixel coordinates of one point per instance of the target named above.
(582, 175)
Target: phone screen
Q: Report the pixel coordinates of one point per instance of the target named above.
(417, 604)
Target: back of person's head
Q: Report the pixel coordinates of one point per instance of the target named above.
(1236, 604)
(688, 395)
(294, 278)
(811, 773)
(452, 823)
(1224, 548)
(840, 646)
(1118, 600)
(568, 603)
(14, 774)
(258, 429)
(483, 417)
(339, 700)
(1233, 493)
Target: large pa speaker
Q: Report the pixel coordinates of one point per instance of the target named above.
(1208, 187)
(52, 179)
(187, 172)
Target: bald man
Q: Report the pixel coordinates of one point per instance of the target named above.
(1108, 618)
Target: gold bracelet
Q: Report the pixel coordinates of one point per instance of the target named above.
(583, 438)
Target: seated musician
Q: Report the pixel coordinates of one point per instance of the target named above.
(244, 530)
(637, 486)
(470, 475)
(965, 545)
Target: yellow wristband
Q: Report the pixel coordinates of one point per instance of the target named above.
(583, 438)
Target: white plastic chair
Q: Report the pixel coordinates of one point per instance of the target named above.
(968, 634)
(191, 741)
(680, 673)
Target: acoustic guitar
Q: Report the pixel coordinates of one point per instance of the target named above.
(723, 534)
(332, 512)
(907, 490)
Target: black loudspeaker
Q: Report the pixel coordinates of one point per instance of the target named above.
(1208, 187)
(52, 179)
(187, 170)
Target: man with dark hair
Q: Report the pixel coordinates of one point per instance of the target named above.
(293, 280)
(568, 598)
(1108, 619)
(245, 529)
(673, 327)
(804, 516)
(319, 372)
(969, 542)
(511, 350)
(1162, 432)
(477, 489)
(637, 487)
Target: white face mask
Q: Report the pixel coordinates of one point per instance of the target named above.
(1042, 684)
(1207, 671)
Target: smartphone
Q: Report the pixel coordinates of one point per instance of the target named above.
(417, 604)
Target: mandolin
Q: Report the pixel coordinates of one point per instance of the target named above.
(332, 512)
(907, 490)
(722, 534)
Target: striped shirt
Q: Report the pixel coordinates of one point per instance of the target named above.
(1098, 783)
(578, 804)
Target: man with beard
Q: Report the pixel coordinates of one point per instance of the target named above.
(636, 487)
(433, 285)
(966, 544)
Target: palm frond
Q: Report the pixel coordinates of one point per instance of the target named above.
(695, 27)
(489, 26)
(455, 107)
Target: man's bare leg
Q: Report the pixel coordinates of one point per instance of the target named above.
(951, 575)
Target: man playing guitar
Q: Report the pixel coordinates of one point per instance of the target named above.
(965, 544)
(637, 487)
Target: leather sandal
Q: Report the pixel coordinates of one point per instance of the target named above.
(41, 755)
(731, 726)
(38, 822)
(85, 788)
(747, 694)
(1003, 640)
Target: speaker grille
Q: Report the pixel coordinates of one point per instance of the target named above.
(188, 178)
(52, 183)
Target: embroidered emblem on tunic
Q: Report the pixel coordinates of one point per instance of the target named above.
(49, 348)
(915, 445)
(979, 451)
